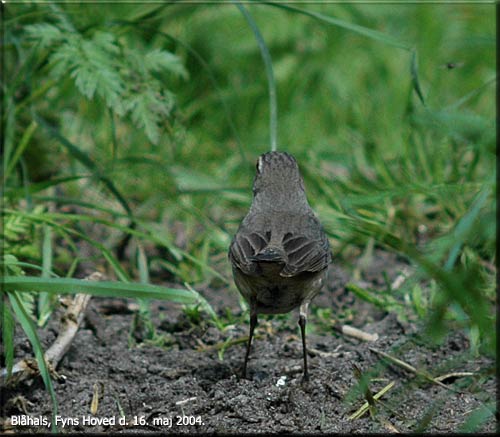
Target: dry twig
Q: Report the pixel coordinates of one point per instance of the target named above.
(351, 331)
(70, 322)
(453, 375)
(411, 369)
(365, 407)
(325, 354)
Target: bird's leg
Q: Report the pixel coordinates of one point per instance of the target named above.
(253, 324)
(302, 324)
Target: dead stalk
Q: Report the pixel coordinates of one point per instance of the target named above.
(70, 322)
(411, 369)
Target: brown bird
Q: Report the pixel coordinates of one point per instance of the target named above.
(280, 253)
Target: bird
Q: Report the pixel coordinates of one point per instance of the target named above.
(280, 253)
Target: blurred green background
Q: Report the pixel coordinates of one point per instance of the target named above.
(134, 128)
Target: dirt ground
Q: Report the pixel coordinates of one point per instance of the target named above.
(189, 385)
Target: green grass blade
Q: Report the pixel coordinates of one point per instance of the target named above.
(25, 140)
(414, 76)
(273, 104)
(24, 264)
(61, 200)
(8, 133)
(151, 236)
(464, 226)
(207, 307)
(30, 331)
(144, 305)
(8, 325)
(471, 94)
(105, 289)
(429, 413)
(360, 30)
(113, 262)
(14, 193)
(477, 418)
(64, 230)
(45, 300)
(72, 267)
(142, 265)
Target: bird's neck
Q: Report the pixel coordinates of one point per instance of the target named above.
(281, 202)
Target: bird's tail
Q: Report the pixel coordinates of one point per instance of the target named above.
(270, 254)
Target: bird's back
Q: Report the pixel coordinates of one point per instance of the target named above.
(298, 239)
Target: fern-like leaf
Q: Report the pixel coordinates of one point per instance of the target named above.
(92, 64)
(44, 34)
(123, 77)
(148, 107)
(158, 60)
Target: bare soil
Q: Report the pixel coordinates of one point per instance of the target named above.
(190, 385)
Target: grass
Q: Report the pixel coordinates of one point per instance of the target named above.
(151, 150)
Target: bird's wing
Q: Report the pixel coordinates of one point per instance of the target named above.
(306, 254)
(245, 246)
